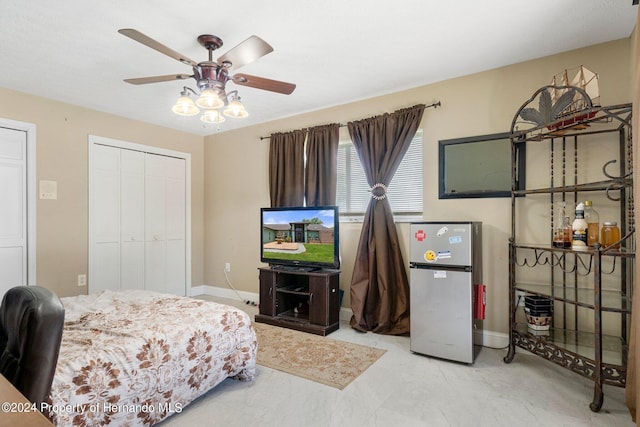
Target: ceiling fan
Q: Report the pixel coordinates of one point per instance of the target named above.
(212, 76)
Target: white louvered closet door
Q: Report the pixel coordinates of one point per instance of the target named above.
(13, 208)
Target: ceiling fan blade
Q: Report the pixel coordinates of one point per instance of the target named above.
(264, 84)
(156, 79)
(153, 44)
(247, 51)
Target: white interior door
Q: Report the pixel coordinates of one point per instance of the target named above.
(176, 225)
(132, 219)
(155, 223)
(104, 239)
(13, 209)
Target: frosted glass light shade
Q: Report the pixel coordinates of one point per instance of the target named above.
(209, 100)
(236, 109)
(212, 116)
(185, 107)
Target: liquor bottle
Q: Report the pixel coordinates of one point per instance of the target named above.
(567, 232)
(593, 223)
(562, 233)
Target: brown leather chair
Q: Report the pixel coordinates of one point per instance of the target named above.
(31, 322)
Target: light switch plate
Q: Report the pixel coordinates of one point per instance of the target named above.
(49, 190)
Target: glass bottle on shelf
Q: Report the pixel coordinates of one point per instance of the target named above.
(579, 228)
(563, 233)
(610, 234)
(567, 232)
(558, 239)
(593, 223)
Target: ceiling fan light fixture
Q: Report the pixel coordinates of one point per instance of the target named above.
(211, 76)
(209, 100)
(236, 109)
(212, 116)
(185, 107)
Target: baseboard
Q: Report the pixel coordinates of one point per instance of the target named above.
(494, 339)
(489, 338)
(227, 293)
(345, 314)
(216, 291)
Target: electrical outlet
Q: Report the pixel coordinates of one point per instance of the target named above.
(227, 267)
(82, 280)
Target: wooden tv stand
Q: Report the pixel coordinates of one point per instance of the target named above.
(303, 300)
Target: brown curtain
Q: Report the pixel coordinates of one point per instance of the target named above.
(379, 285)
(286, 168)
(321, 172)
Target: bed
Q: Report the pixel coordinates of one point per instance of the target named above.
(137, 357)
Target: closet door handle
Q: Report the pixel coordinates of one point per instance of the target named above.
(270, 292)
(310, 298)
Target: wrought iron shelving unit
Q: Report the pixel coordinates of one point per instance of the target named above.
(592, 288)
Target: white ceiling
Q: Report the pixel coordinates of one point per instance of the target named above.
(336, 51)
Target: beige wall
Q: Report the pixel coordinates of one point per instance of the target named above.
(61, 155)
(236, 164)
(229, 170)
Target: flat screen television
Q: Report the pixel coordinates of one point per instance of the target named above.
(479, 166)
(300, 238)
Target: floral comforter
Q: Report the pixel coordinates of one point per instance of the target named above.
(137, 357)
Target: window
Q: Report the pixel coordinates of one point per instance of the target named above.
(404, 193)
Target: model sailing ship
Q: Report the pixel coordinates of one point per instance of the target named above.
(567, 101)
(584, 79)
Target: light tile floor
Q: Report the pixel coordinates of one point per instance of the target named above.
(407, 389)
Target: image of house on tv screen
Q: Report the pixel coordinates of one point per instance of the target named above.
(300, 236)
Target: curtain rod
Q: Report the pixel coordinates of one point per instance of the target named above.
(434, 105)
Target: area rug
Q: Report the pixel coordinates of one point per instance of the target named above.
(324, 360)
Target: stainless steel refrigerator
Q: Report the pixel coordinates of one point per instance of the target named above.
(445, 282)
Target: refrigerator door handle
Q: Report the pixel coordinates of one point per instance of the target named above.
(465, 268)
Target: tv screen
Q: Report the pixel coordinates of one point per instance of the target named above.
(300, 237)
(478, 166)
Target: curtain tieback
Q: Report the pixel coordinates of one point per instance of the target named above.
(378, 191)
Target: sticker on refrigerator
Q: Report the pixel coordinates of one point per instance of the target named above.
(430, 256)
(440, 274)
(454, 240)
(442, 231)
(443, 255)
(420, 235)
